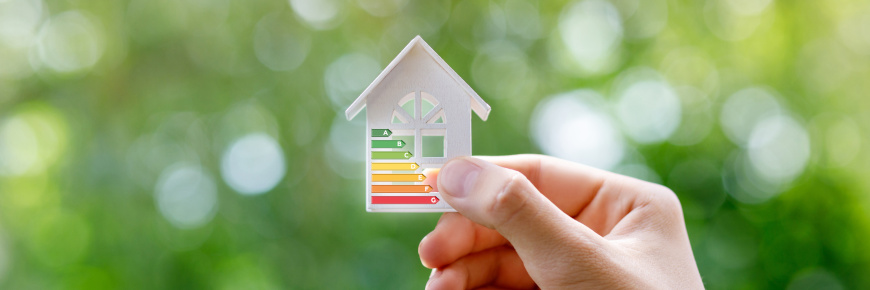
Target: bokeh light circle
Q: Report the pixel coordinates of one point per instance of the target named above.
(573, 126)
(779, 149)
(591, 31)
(734, 20)
(643, 18)
(18, 147)
(777, 152)
(649, 111)
(511, 83)
(69, 42)
(697, 120)
(31, 140)
(186, 196)
(346, 142)
(319, 14)
(176, 137)
(19, 20)
(691, 66)
(745, 108)
(279, 43)
(347, 77)
(523, 19)
(253, 164)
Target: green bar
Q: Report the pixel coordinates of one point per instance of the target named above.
(381, 132)
(391, 155)
(388, 143)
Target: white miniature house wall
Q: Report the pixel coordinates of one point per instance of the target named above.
(418, 117)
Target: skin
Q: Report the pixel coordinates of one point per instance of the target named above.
(531, 221)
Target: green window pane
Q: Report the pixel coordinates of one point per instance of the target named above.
(433, 146)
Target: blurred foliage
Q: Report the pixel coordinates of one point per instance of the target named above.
(123, 125)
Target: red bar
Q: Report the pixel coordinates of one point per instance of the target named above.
(404, 199)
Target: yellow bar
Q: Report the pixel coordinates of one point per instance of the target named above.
(395, 166)
(398, 177)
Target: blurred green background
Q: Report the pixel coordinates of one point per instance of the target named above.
(202, 143)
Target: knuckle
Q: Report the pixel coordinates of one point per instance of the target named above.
(668, 197)
(664, 199)
(510, 200)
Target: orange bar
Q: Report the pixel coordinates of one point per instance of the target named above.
(401, 188)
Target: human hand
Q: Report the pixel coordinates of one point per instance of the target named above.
(529, 221)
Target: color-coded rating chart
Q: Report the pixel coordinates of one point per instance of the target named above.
(394, 173)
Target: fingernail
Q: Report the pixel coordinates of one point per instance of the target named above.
(458, 177)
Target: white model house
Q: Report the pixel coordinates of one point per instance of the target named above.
(418, 116)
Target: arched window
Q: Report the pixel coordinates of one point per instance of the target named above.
(429, 110)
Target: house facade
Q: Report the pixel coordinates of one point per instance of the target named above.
(418, 116)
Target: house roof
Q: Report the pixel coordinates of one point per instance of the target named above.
(479, 107)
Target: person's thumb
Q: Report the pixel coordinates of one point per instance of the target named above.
(505, 200)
